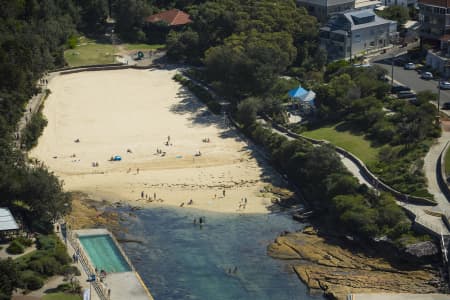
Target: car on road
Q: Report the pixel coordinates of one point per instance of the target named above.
(398, 88)
(444, 85)
(426, 75)
(446, 106)
(409, 66)
(406, 94)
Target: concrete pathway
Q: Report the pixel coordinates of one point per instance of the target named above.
(4, 254)
(382, 296)
(432, 222)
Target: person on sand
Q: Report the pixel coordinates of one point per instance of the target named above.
(182, 204)
(142, 194)
(223, 193)
(137, 171)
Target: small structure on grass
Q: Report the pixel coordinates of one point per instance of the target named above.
(303, 99)
(158, 25)
(8, 225)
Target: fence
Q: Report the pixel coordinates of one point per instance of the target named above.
(99, 287)
(369, 176)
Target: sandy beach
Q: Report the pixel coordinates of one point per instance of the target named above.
(158, 129)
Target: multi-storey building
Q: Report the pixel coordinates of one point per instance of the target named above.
(356, 33)
(399, 2)
(434, 17)
(322, 9)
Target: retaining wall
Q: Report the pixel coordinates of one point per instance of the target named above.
(105, 68)
(369, 176)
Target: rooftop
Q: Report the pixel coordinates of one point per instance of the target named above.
(7, 221)
(173, 17)
(364, 18)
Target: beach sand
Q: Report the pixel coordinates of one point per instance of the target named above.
(113, 111)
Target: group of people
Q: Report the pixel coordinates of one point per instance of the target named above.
(243, 203)
(95, 164)
(190, 202)
(43, 81)
(206, 140)
(144, 195)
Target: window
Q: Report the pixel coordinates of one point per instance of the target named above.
(372, 44)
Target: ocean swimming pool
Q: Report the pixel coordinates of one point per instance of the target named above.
(104, 253)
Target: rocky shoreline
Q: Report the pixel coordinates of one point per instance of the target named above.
(327, 266)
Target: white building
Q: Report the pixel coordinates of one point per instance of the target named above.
(399, 2)
(356, 33)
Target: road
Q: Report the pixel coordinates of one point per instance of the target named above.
(412, 79)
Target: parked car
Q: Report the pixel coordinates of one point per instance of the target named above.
(444, 85)
(398, 88)
(446, 106)
(406, 94)
(409, 66)
(426, 75)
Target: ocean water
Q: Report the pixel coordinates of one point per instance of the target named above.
(225, 259)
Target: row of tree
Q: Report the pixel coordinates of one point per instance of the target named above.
(33, 34)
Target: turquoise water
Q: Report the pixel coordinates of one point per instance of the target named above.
(104, 254)
(180, 260)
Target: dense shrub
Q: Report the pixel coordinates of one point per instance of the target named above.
(32, 282)
(24, 241)
(15, 248)
(69, 270)
(33, 130)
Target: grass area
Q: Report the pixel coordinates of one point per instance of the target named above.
(90, 52)
(447, 162)
(355, 144)
(143, 46)
(61, 296)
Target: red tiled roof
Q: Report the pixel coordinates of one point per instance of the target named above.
(172, 17)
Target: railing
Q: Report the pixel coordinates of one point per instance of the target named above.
(102, 291)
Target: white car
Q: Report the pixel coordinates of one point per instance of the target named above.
(444, 85)
(426, 75)
(409, 66)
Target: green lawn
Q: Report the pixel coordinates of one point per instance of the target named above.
(356, 144)
(447, 162)
(61, 296)
(89, 52)
(143, 46)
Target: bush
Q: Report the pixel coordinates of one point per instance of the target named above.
(31, 133)
(24, 241)
(32, 282)
(15, 248)
(69, 270)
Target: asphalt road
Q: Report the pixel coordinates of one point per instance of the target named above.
(412, 79)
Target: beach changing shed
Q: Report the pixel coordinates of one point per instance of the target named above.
(304, 98)
(8, 224)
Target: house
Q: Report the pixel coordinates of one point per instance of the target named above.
(366, 4)
(434, 19)
(173, 17)
(322, 9)
(406, 3)
(356, 33)
(8, 225)
(158, 26)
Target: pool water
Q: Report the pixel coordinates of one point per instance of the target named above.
(104, 253)
(225, 259)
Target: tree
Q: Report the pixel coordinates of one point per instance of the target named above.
(247, 110)
(9, 277)
(183, 46)
(248, 64)
(396, 13)
(93, 14)
(130, 15)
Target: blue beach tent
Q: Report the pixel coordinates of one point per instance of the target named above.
(305, 96)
